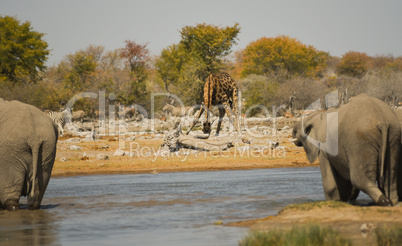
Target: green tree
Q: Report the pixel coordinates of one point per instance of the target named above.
(77, 70)
(282, 53)
(23, 53)
(170, 64)
(208, 44)
(137, 58)
(184, 67)
(89, 70)
(353, 64)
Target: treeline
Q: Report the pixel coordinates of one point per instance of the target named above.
(269, 71)
(380, 77)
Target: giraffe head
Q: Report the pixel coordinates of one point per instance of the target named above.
(206, 127)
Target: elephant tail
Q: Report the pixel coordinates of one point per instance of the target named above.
(384, 146)
(35, 148)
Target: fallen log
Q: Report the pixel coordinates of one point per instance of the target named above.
(187, 141)
(176, 140)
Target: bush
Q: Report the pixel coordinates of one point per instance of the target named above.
(353, 64)
(273, 91)
(43, 94)
(258, 90)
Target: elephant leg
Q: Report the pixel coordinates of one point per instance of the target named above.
(370, 188)
(354, 194)
(12, 191)
(391, 186)
(365, 180)
(399, 176)
(12, 204)
(46, 161)
(346, 190)
(331, 190)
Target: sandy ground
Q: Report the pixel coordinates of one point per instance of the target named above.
(77, 156)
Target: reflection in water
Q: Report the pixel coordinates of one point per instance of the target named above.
(28, 228)
(167, 208)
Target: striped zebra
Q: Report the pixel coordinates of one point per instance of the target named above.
(178, 111)
(60, 118)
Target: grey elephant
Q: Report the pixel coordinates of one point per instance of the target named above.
(358, 148)
(398, 113)
(28, 140)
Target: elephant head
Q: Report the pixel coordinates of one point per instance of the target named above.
(318, 132)
(369, 138)
(309, 127)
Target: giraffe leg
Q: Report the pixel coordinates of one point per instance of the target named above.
(221, 115)
(229, 113)
(235, 122)
(195, 120)
(206, 126)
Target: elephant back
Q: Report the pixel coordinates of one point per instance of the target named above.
(20, 122)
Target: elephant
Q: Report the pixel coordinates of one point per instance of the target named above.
(358, 147)
(28, 139)
(398, 113)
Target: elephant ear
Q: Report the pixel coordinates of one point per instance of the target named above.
(311, 145)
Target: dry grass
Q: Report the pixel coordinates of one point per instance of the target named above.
(363, 225)
(299, 235)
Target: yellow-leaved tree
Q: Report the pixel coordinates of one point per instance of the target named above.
(354, 64)
(274, 55)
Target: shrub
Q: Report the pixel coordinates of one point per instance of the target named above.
(43, 94)
(258, 90)
(354, 64)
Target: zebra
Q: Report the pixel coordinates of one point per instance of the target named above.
(178, 111)
(60, 118)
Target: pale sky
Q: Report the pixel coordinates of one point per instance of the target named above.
(334, 26)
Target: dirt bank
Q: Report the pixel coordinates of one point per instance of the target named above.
(357, 223)
(77, 156)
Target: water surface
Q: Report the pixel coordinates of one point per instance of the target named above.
(157, 209)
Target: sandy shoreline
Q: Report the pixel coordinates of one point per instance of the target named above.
(354, 222)
(78, 157)
(195, 168)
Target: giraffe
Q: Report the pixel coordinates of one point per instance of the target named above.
(219, 90)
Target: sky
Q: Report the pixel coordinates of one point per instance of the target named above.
(334, 26)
